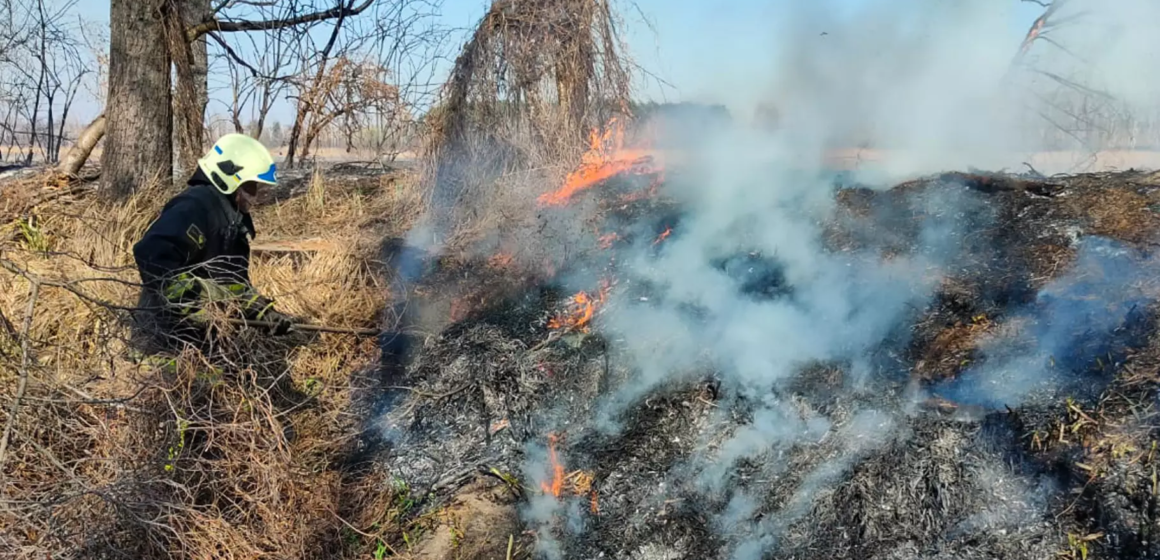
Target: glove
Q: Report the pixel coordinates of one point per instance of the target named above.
(261, 308)
(281, 324)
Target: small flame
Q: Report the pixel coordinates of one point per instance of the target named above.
(650, 192)
(1033, 34)
(595, 503)
(581, 308)
(501, 261)
(608, 239)
(460, 308)
(557, 484)
(668, 231)
(606, 158)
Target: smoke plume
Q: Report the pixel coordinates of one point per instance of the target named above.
(935, 82)
(1074, 330)
(748, 289)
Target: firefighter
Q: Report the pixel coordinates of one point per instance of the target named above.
(197, 252)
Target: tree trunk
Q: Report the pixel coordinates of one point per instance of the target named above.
(294, 134)
(304, 106)
(76, 157)
(139, 137)
(191, 91)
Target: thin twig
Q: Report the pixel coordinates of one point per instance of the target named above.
(306, 327)
(8, 327)
(25, 358)
(47, 454)
(434, 396)
(367, 535)
(39, 280)
(553, 337)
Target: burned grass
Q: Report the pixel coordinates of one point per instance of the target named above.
(1021, 239)
(900, 475)
(1107, 449)
(254, 452)
(642, 512)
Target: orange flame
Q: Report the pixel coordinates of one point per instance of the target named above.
(501, 261)
(606, 158)
(460, 308)
(608, 239)
(650, 192)
(595, 503)
(1033, 34)
(668, 231)
(557, 484)
(581, 308)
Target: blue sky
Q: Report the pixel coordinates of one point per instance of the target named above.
(701, 51)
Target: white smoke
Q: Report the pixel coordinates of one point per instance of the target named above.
(931, 79)
(839, 306)
(940, 84)
(1068, 330)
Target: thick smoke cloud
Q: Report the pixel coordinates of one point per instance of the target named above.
(938, 82)
(838, 306)
(832, 307)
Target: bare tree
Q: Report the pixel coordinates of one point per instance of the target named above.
(139, 126)
(141, 103)
(1069, 108)
(191, 89)
(333, 89)
(42, 71)
(257, 84)
(312, 91)
(347, 91)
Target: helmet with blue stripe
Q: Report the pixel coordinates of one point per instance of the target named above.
(236, 159)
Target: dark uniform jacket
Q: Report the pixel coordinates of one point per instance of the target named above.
(199, 233)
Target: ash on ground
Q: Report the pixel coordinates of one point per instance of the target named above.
(879, 458)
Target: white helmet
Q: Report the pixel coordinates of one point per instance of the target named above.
(235, 159)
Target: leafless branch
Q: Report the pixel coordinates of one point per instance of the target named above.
(224, 4)
(233, 55)
(1075, 85)
(25, 361)
(340, 11)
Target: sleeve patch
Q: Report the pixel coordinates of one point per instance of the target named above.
(195, 235)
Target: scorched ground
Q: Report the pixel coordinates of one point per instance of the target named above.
(991, 420)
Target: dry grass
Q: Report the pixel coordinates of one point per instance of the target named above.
(532, 81)
(230, 453)
(1118, 212)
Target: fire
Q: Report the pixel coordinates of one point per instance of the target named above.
(1032, 35)
(663, 236)
(606, 158)
(650, 192)
(581, 308)
(608, 239)
(557, 484)
(460, 308)
(501, 261)
(579, 483)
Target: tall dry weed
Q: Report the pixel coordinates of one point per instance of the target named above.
(234, 450)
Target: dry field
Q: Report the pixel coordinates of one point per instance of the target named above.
(236, 452)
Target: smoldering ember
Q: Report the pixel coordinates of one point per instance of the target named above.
(899, 301)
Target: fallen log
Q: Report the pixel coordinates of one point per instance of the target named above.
(80, 152)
